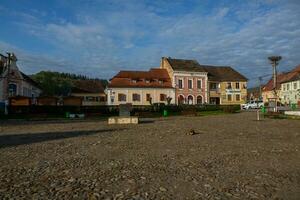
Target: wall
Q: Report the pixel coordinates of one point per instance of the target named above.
(242, 91)
(194, 92)
(290, 94)
(154, 92)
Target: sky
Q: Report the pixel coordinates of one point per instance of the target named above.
(98, 38)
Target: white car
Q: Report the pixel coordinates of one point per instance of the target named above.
(252, 105)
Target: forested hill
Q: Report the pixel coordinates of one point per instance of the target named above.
(59, 84)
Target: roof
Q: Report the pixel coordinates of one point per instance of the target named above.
(185, 65)
(155, 78)
(88, 86)
(223, 73)
(30, 80)
(217, 73)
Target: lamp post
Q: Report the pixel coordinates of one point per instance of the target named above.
(274, 60)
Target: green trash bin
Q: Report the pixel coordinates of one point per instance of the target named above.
(67, 114)
(165, 113)
(263, 109)
(294, 106)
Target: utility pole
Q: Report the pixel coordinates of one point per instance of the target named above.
(274, 60)
(260, 83)
(7, 82)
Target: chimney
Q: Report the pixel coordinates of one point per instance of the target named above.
(162, 62)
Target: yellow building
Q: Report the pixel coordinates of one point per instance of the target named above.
(226, 86)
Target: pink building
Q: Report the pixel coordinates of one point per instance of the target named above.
(189, 79)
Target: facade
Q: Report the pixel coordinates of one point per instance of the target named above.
(195, 83)
(188, 78)
(91, 92)
(226, 86)
(140, 88)
(290, 88)
(284, 91)
(15, 83)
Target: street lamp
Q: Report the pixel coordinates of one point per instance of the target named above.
(274, 60)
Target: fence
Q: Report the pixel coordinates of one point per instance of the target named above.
(114, 110)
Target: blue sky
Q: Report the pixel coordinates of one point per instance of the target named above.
(98, 38)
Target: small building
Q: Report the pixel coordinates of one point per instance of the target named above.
(13, 82)
(290, 88)
(268, 91)
(91, 92)
(226, 86)
(141, 88)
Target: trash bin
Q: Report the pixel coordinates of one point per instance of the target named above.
(263, 109)
(294, 106)
(165, 113)
(67, 114)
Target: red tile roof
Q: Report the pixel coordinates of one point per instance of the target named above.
(155, 78)
(282, 78)
(88, 86)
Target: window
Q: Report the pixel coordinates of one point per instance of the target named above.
(163, 97)
(136, 97)
(121, 97)
(180, 83)
(102, 99)
(147, 81)
(134, 81)
(213, 86)
(199, 84)
(148, 97)
(160, 82)
(229, 97)
(12, 88)
(237, 85)
(295, 86)
(190, 84)
(283, 87)
(229, 85)
(288, 86)
(237, 97)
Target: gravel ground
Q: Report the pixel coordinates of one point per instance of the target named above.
(230, 157)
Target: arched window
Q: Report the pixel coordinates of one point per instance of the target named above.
(180, 99)
(121, 97)
(190, 100)
(12, 88)
(199, 99)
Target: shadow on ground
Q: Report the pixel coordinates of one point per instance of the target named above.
(29, 138)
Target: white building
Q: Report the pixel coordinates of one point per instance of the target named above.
(140, 88)
(13, 82)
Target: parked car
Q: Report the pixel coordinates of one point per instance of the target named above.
(252, 105)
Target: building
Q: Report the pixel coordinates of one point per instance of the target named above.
(226, 86)
(91, 91)
(141, 88)
(195, 83)
(13, 82)
(290, 88)
(188, 78)
(268, 92)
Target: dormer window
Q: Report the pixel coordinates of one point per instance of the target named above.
(160, 82)
(134, 81)
(147, 81)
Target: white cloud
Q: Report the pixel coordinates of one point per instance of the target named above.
(136, 35)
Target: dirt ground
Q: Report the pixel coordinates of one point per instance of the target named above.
(230, 157)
